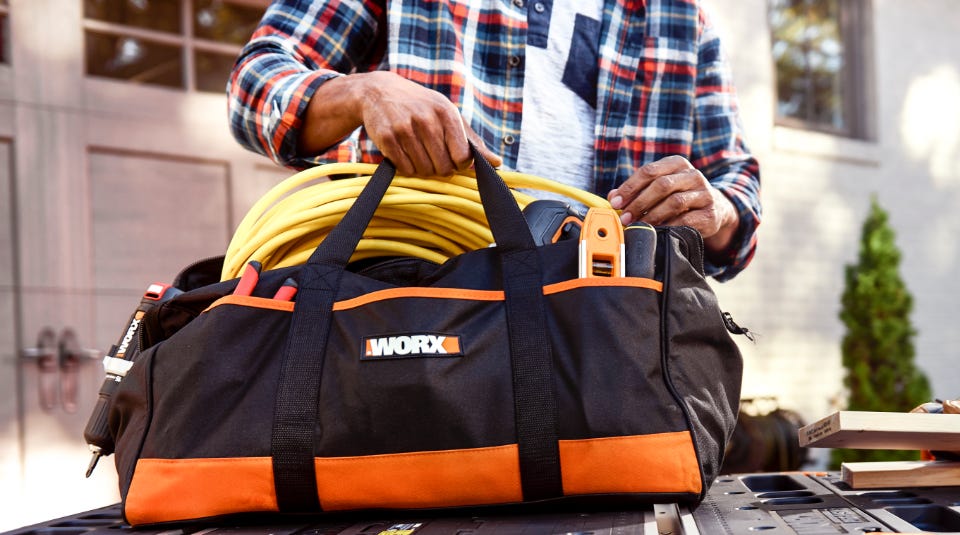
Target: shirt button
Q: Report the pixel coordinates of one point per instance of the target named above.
(513, 61)
(518, 3)
(539, 7)
(509, 140)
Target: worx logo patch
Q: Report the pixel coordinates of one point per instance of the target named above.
(411, 345)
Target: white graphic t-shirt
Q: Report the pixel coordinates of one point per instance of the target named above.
(560, 90)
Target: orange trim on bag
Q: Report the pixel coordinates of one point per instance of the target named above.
(250, 301)
(164, 490)
(572, 284)
(436, 293)
(430, 293)
(449, 478)
(663, 462)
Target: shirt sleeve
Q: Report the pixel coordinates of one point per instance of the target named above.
(296, 47)
(720, 153)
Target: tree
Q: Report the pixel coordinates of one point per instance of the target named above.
(878, 347)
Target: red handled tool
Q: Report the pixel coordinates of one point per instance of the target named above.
(287, 291)
(249, 278)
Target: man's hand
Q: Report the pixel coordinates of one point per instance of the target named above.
(417, 128)
(672, 192)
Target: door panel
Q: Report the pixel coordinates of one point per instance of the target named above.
(10, 473)
(147, 218)
(151, 217)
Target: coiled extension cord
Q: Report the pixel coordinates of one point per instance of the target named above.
(432, 219)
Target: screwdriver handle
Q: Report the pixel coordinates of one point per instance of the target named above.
(97, 433)
(641, 240)
(116, 364)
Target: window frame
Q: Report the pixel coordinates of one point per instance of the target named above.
(186, 41)
(857, 103)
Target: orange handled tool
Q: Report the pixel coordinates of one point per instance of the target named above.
(601, 244)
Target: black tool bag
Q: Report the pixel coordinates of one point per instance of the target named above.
(498, 377)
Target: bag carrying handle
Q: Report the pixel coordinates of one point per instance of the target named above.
(504, 217)
(296, 410)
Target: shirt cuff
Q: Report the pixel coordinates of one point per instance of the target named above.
(284, 112)
(743, 244)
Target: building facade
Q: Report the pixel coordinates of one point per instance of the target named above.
(903, 147)
(117, 168)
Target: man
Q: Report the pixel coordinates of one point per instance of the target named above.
(631, 99)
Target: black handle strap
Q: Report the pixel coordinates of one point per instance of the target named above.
(531, 357)
(297, 405)
(531, 361)
(296, 412)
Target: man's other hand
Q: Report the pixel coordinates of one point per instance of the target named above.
(671, 191)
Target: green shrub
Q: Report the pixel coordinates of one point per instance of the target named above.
(877, 348)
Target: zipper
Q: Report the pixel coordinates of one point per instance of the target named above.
(733, 328)
(665, 361)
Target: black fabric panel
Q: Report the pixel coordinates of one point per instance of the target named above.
(607, 362)
(538, 23)
(214, 388)
(417, 404)
(582, 70)
(202, 273)
(128, 420)
(702, 363)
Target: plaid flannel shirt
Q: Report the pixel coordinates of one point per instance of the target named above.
(663, 86)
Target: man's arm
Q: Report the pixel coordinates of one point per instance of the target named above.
(716, 190)
(417, 128)
(297, 49)
(290, 96)
(720, 152)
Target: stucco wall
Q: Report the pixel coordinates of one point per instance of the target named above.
(816, 191)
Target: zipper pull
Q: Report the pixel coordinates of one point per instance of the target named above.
(736, 329)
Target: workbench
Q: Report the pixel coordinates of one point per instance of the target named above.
(794, 503)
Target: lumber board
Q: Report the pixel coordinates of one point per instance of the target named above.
(901, 474)
(883, 430)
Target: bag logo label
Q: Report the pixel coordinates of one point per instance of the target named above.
(411, 345)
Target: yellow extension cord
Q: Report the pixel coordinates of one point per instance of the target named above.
(433, 219)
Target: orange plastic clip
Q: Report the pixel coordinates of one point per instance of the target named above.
(601, 244)
(570, 220)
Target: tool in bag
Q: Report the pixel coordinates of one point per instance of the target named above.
(118, 361)
(550, 221)
(500, 376)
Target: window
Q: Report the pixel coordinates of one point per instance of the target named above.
(184, 44)
(820, 56)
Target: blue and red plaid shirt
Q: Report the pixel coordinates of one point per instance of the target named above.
(663, 85)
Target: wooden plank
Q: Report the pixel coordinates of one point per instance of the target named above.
(900, 474)
(883, 430)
